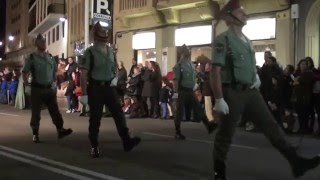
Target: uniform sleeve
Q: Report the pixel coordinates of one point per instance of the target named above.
(55, 69)
(84, 62)
(176, 72)
(219, 51)
(111, 53)
(113, 59)
(27, 66)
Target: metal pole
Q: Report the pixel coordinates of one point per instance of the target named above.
(296, 40)
(86, 23)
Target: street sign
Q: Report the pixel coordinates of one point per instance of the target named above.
(102, 10)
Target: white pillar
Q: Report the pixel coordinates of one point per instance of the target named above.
(86, 23)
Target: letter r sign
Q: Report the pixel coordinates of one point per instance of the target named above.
(103, 5)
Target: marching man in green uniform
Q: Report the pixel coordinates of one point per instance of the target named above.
(98, 69)
(184, 84)
(42, 67)
(235, 85)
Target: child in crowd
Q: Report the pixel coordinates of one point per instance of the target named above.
(71, 96)
(164, 96)
(136, 110)
(126, 105)
(13, 87)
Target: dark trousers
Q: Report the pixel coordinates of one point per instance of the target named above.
(187, 96)
(47, 96)
(249, 101)
(98, 96)
(154, 106)
(303, 112)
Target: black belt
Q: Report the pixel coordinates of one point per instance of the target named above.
(37, 85)
(99, 83)
(237, 87)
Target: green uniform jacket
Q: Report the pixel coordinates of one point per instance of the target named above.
(243, 57)
(188, 72)
(103, 65)
(42, 67)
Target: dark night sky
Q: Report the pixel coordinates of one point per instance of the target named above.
(2, 24)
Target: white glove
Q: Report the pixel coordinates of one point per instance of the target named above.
(175, 96)
(195, 87)
(221, 106)
(114, 82)
(84, 99)
(256, 83)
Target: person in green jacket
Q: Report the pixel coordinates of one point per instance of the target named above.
(98, 70)
(42, 67)
(235, 86)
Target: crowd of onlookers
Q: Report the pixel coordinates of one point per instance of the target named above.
(8, 86)
(290, 93)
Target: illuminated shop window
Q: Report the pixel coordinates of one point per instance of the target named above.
(258, 29)
(145, 40)
(197, 35)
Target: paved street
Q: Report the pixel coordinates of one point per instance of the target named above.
(158, 157)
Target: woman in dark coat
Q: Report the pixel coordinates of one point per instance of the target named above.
(303, 93)
(151, 87)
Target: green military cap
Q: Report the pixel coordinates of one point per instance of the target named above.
(229, 8)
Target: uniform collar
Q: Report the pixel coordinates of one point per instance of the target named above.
(238, 39)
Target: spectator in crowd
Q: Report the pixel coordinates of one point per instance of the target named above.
(134, 64)
(77, 91)
(286, 97)
(303, 93)
(270, 75)
(126, 105)
(13, 87)
(151, 87)
(165, 95)
(136, 110)
(61, 73)
(135, 84)
(315, 100)
(20, 102)
(70, 68)
(3, 91)
(122, 79)
(71, 96)
(7, 74)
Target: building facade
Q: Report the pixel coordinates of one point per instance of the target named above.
(151, 29)
(48, 17)
(17, 42)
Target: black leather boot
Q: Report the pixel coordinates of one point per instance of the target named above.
(95, 153)
(130, 143)
(179, 136)
(219, 170)
(35, 139)
(299, 165)
(64, 132)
